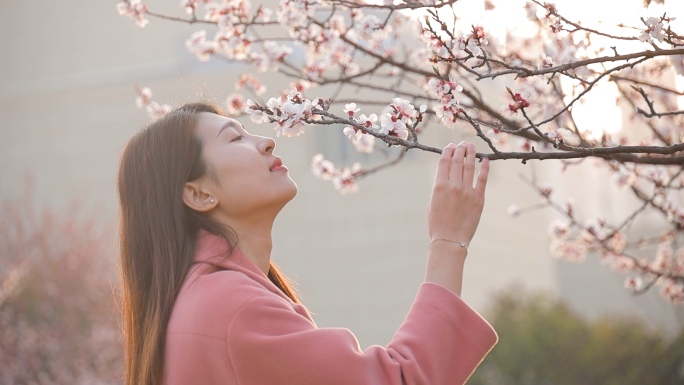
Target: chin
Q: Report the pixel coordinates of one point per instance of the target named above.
(284, 193)
(292, 191)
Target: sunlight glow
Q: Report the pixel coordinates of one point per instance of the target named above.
(597, 112)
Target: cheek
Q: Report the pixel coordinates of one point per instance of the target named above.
(242, 179)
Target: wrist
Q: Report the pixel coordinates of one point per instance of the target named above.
(447, 248)
(454, 241)
(445, 265)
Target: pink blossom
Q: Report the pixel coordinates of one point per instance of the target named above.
(156, 110)
(531, 11)
(274, 104)
(300, 85)
(276, 52)
(571, 251)
(290, 116)
(350, 132)
(313, 71)
(189, 5)
(232, 44)
(343, 179)
(633, 283)
(513, 210)
(368, 121)
(368, 26)
(519, 101)
(663, 259)
(227, 13)
(273, 54)
(620, 262)
(256, 115)
(259, 117)
(593, 230)
(435, 44)
(679, 215)
(555, 24)
(404, 109)
(550, 8)
(625, 177)
(441, 88)
(260, 61)
(447, 112)
(198, 44)
(654, 30)
(497, 136)
(337, 24)
(235, 104)
(617, 242)
(364, 142)
(558, 230)
(135, 10)
(546, 61)
(294, 14)
(144, 96)
(392, 125)
(251, 82)
(350, 109)
(672, 290)
(545, 190)
(322, 168)
(264, 14)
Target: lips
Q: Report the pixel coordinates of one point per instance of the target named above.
(276, 164)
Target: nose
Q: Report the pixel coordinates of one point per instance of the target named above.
(267, 145)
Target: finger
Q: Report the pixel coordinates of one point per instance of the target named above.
(482, 178)
(445, 162)
(469, 166)
(457, 160)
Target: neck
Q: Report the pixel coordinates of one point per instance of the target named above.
(254, 240)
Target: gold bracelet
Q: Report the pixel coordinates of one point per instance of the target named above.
(461, 243)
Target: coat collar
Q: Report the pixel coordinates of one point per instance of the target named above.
(213, 250)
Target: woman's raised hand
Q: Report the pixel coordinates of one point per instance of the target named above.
(456, 206)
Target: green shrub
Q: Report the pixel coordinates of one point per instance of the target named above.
(543, 342)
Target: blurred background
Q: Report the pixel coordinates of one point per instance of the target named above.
(67, 99)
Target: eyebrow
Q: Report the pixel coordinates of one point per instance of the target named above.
(228, 124)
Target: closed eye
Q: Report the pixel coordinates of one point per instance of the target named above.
(239, 137)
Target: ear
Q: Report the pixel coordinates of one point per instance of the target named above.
(198, 198)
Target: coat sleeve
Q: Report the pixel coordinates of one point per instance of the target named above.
(441, 341)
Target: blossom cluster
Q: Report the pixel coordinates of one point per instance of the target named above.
(448, 107)
(363, 141)
(662, 270)
(574, 240)
(289, 113)
(343, 178)
(154, 109)
(655, 29)
(135, 10)
(251, 82)
(400, 118)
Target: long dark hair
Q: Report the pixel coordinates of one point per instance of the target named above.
(159, 232)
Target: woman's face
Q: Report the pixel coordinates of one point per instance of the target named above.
(247, 177)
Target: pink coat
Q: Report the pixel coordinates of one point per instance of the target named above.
(231, 325)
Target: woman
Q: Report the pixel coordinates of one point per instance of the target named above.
(203, 304)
